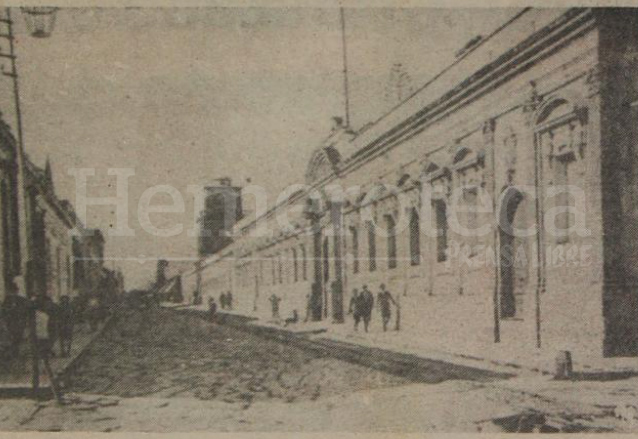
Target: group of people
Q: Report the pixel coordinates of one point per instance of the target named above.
(362, 304)
(226, 300)
(53, 322)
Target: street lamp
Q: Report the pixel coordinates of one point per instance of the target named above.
(40, 22)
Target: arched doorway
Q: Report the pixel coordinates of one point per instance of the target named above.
(512, 266)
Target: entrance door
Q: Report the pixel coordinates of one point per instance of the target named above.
(512, 265)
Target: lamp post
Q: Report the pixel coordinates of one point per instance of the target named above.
(40, 22)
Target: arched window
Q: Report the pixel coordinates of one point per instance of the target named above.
(261, 271)
(440, 215)
(415, 238)
(372, 247)
(392, 242)
(355, 249)
(561, 132)
(470, 198)
(294, 264)
(304, 263)
(274, 270)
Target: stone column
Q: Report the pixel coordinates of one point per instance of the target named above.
(337, 285)
(533, 209)
(489, 177)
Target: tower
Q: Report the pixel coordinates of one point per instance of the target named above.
(222, 210)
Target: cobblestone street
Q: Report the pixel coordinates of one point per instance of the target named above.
(162, 370)
(156, 353)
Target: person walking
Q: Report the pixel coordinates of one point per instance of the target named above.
(92, 312)
(66, 326)
(229, 300)
(15, 312)
(355, 308)
(222, 300)
(212, 309)
(274, 303)
(385, 299)
(53, 312)
(366, 302)
(45, 321)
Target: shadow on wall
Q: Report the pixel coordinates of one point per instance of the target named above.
(621, 322)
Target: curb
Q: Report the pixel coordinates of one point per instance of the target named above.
(20, 391)
(413, 367)
(75, 360)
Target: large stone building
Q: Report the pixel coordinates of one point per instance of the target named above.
(548, 100)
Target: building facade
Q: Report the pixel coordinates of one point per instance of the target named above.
(548, 101)
(9, 244)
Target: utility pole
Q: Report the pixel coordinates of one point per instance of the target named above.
(345, 68)
(40, 21)
(23, 228)
(20, 155)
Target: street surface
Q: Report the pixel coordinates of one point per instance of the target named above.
(165, 355)
(158, 370)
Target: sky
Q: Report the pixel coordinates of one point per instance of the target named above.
(183, 96)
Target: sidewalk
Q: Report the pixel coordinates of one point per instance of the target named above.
(15, 374)
(600, 394)
(343, 334)
(407, 341)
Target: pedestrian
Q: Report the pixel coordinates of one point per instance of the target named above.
(44, 321)
(15, 312)
(212, 309)
(385, 299)
(222, 300)
(229, 300)
(355, 308)
(92, 312)
(53, 313)
(66, 326)
(274, 303)
(366, 302)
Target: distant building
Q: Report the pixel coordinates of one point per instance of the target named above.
(160, 274)
(222, 209)
(88, 261)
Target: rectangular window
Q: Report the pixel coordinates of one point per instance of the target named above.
(392, 243)
(304, 266)
(355, 249)
(470, 197)
(274, 270)
(563, 220)
(440, 213)
(372, 248)
(415, 238)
